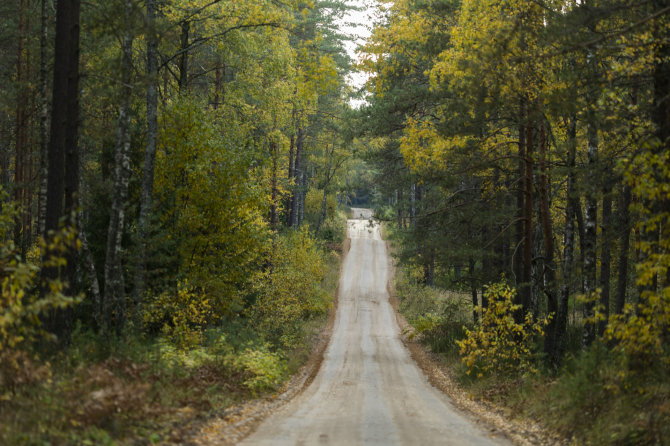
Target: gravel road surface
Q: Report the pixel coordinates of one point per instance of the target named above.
(368, 390)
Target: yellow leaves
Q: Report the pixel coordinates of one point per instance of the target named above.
(213, 201)
(288, 290)
(21, 303)
(182, 313)
(499, 344)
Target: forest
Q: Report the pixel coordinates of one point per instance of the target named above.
(175, 183)
(524, 147)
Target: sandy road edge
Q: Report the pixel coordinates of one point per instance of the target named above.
(523, 433)
(239, 421)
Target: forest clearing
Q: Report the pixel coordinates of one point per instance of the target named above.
(335, 221)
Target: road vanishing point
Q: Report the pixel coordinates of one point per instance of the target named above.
(368, 390)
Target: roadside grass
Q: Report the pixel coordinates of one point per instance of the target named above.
(142, 389)
(589, 401)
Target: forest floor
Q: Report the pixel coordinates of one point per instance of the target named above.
(137, 391)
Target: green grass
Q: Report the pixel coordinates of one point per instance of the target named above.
(144, 390)
(589, 401)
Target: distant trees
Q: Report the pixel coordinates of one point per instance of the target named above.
(180, 144)
(530, 147)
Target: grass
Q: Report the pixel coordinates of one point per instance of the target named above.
(589, 401)
(144, 390)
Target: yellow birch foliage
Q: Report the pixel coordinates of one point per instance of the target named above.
(498, 344)
(288, 291)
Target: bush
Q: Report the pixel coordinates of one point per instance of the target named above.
(436, 315)
(288, 290)
(499, 344)
(266, 370)
(181, 314)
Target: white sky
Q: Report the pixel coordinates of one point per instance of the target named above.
(358, 24)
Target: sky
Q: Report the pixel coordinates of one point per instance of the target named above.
(358, 24)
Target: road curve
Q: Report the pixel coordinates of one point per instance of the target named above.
(368, 390)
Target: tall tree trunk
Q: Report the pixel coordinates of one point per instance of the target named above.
(661, 118)
(44, 119)
(146, 197)
(412, 206)
(114, 304)
(303, 191)
(429, 268)
(291, 177)
(525, 290)
(590, 229)
(183, 61)
(326, 184)
(606, 257)
(517, 261)
(72, 160)
(473, 289)
(63, 145)
(217, 80)
(549, 270)
(399, 204)
(274, 186)
(624, 244)
(298, 173)
(561, 318)
(21, 156)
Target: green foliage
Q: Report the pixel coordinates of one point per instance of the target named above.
(592, 402)
(334, 228)
(181, 314)
(211, 205)
(288, 290)
(23, 303)
(438, 316)
(267, 369)
(498, 344)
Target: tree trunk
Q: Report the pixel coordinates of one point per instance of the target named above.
(298, 173)
(549, 271)
(399, 204)
(473, 290)
(429, 267)
(274, 187)
(624, 244)
(605, 258)
(525, 289)
(661, 118)
(20, 136)
(517, 261)
(146, 197)
(72, 145)
(561, 318)
(114, 304)
(322, 214)
(44, 120)
(63, 145)
(590, 230)
(303, 191)
(412, 206)
(183, 62)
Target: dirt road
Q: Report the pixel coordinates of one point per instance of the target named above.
(368, 390)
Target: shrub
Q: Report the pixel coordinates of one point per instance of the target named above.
(288, 290)
(267, 370)
(498, 344)
(181, 314)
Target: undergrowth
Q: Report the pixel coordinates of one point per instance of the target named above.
(145, 388)
(591, 400)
